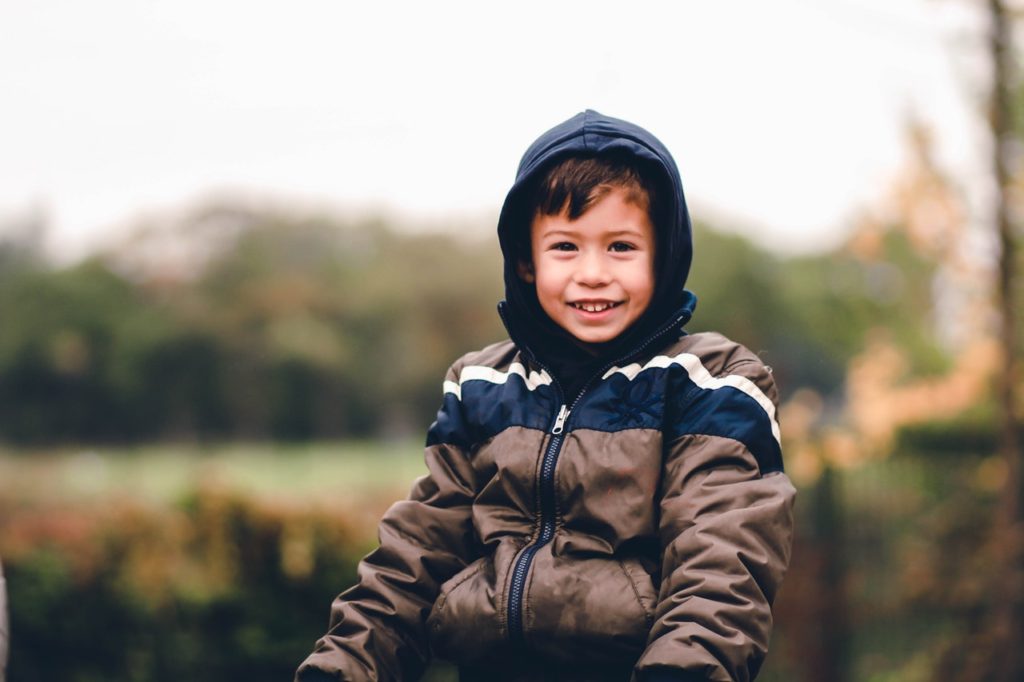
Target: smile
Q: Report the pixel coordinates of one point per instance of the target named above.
(595, 307)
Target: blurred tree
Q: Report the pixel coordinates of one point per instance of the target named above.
(358, 322)
(57, 349)
(809, 316)
(274, 323)
(1008, 616)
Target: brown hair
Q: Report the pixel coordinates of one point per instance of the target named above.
(576, 183)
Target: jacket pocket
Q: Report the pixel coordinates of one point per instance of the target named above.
(598, 609)
(643, 587)
(464, 623)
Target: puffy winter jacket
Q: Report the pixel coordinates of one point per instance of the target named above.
(650, 521)
(639, 527)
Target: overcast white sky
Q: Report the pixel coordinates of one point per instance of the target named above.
(785, 116)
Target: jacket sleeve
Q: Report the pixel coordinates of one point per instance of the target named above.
(378, 627)
(726, 530)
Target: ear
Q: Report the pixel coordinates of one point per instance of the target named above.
(525, 271)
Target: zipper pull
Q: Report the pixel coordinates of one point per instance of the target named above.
(563, 414)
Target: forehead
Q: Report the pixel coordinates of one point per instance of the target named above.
(616, 213)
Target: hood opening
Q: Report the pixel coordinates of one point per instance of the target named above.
(590, 134)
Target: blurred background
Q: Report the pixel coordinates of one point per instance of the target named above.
(241, 242)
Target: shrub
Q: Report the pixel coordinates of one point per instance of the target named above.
(216, 587)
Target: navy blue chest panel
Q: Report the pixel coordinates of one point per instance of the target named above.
(674, 395)
(486, 409)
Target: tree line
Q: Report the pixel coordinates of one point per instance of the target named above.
(234, 322)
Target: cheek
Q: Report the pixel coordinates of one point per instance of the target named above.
(641, 284)
(549, 287)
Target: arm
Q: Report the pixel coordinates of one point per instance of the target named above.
(378, 628)
(726, 531)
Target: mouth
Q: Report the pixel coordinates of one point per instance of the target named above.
(594, 306)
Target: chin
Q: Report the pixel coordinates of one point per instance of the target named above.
(597, 338)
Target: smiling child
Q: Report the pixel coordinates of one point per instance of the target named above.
(605, 497)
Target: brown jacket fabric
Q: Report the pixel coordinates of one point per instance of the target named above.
(646, 531)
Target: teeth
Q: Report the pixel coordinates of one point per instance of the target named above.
(594, 307)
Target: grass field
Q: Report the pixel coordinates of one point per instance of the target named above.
(162, 473)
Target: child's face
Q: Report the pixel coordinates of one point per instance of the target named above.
(594, 275)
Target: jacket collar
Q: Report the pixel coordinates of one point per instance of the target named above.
(572, 368)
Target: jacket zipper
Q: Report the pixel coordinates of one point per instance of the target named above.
(521, 567)
(547, 526)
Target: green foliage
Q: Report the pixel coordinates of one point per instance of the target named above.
(742, 292)
(294, 328)
(217, 587)
(60, 348)
(973, 431)
(348, 328)
(299, 327)
(168, 563)
(809, 316)
(222, 564)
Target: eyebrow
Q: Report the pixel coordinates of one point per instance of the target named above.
(612, 233)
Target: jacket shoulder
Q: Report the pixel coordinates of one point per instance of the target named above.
(481, 399)
(716, 351)
(721, 356)
(495, 356)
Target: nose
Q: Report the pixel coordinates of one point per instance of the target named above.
(592, 269)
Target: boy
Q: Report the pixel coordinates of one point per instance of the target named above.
(605, 497)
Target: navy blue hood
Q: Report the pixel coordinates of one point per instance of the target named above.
(592, 134)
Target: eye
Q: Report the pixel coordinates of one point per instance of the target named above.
(622, 247)
(563, 246)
